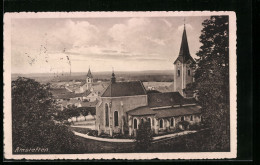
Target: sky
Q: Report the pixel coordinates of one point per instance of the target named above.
(56, 45)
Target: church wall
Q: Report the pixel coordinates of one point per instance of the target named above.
(189, 78)
(167, 123)
(120, 104)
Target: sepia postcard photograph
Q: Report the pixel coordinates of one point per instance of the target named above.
(123, 85)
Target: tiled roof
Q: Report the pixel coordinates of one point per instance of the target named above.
(164, 99)
(89, 104)
(140, 111)
(62, 93)
(86, 93)
(178, 111)
(100, 87)
(118, 89)
(169, 112)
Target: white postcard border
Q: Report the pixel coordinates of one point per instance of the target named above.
(187, 155)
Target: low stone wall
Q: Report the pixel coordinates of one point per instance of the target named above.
(169, 136)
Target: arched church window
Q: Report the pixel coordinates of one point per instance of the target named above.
(172, 122)
(161, 123)
(106, 115)
(116, 118)
(135, 123)
(188, 72)
(179, 72)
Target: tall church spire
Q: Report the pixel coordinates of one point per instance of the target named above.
(184, 50)
(184, 54)
(89, 73)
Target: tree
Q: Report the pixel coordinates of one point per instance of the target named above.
(212, 80)
(144, 137)
(33, 126)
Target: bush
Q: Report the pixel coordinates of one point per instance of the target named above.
(184, 124)
(121, 136)
(92, 133)
(195, 126)
(144, 137)
(32, 119)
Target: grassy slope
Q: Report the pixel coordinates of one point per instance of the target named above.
(186, 143)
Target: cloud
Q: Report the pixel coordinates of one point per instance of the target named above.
(167, 22)
(140, 35)
(157, 41)
(121, 41)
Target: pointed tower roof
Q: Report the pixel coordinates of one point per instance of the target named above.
(89, 74)
(184, 54)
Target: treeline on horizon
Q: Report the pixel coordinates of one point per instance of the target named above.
(121, 76)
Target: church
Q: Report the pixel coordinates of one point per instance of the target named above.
(124, 105)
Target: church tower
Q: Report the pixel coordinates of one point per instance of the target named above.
(183, 72)
(113, 78)
(89, 80)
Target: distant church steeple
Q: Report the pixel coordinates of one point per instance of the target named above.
(89, 79)
(113, 78)
(183, 72)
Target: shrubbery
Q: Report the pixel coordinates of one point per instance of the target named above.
(195, 126)
(33, 126)
(185, 124)
(92, 133)
(144, 137)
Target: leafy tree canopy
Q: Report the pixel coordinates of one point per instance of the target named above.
(32, 119)
(212, 79)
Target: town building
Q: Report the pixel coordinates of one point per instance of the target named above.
(124, 105)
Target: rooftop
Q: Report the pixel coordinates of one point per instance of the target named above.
(169, 112)
(89, 104)
(164, 99)
(62, 93)
(118, 89)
